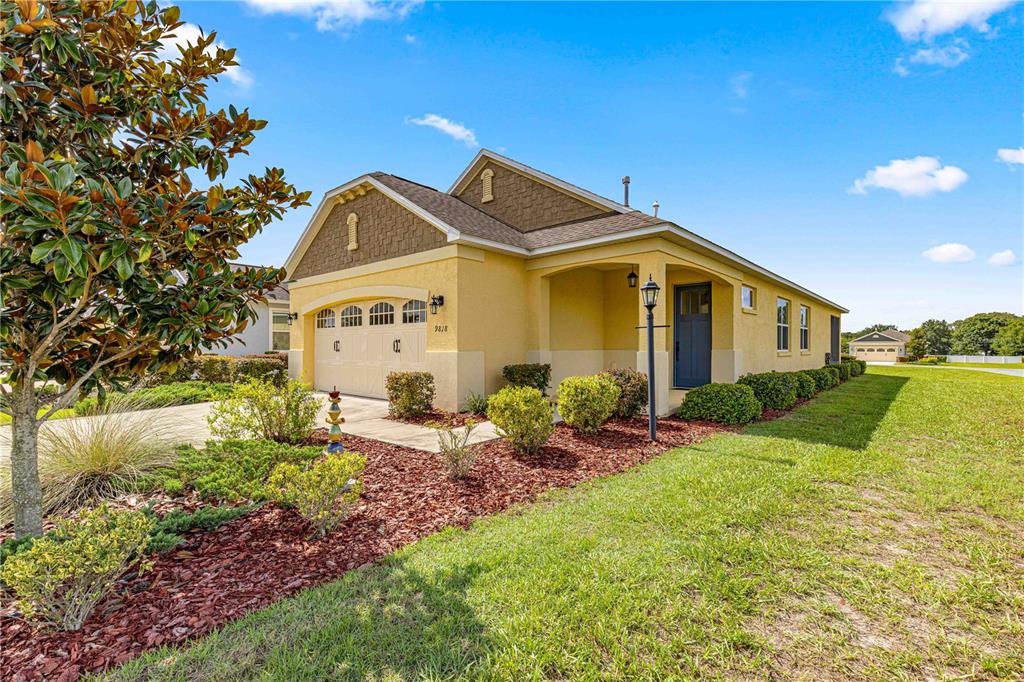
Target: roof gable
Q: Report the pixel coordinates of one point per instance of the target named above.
(888, 335)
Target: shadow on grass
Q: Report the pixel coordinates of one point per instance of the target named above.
(389, 621)
(846, 416)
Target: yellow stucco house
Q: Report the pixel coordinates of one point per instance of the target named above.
(513, 265)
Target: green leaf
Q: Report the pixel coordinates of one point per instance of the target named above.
(106, 258)
(41, 251)
(61, 269)
(120, 248)
(124, 188)
(124, 267)
(144, 253)
(65, 177)
(71, 249)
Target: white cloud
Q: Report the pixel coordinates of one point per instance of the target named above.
(190, 34)
(926, 19)
(948, 57)
(410, 38)
(453, 130)
(1003, 258)
(916, 177)
(900, 69)
(740, 84)
(949, 253)
(334, 15)
(1011, 156)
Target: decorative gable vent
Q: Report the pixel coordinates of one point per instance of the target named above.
(353, 231)
(487, 179)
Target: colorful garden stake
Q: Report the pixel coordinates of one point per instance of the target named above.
(335, 419)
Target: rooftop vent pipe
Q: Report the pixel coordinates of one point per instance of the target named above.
(655, 206)
(625, 190)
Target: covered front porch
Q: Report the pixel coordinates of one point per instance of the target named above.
(588, 318)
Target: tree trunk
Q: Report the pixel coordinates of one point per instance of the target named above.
(27, 493)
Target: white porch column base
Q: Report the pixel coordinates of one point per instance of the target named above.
(726, 365)
(662, 380)
(295, 363)
(456, 373)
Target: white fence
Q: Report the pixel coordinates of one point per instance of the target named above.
(992, 359)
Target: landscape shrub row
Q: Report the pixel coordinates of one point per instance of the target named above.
(752, 394)
(227, 369)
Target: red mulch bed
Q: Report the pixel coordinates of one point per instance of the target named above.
(265, 556)
(452, 420)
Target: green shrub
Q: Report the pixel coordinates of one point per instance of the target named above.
(523, 417)
(259, 409)
(269, 368)
(823, 379)
(843, 369)
(587, 402)
(476, 403)
(532, 374)
(806, 387)
(233, 470)
(632, 392)
(64, 574)
(833, 372)
(410, 394)
(854, 368)
(184, 393)
(13, 545)
(168, 532)
(456, 451)
(323, 492)
(229, 369)
(88, 460)
(774, 390)
(722, 403)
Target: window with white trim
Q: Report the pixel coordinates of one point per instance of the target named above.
(352, 316)
(805, 331)
(280, 332)
(382, 313)
(748, 297)
(325, 319)
(487, 181)
(414, 311)
(782, 324)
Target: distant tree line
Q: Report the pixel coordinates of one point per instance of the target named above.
(980, 334)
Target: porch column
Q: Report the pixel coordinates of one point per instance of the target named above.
(654, 265)
(726, 357)
(539, 334)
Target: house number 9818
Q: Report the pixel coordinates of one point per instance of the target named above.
(440, 327)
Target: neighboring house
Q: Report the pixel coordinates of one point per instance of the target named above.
(270, 330)
(883, 346)
(513, 265)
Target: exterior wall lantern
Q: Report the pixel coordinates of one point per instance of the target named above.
(292, 317)
(435, 303)
(632, 278)
(650, 291)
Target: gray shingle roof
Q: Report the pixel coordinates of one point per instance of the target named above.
(590, 228)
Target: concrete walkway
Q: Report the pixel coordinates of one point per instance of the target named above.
(365, 417)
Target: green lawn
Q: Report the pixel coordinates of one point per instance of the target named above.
(876, 533)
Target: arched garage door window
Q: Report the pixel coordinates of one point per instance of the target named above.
(414, 311)
(382, 313)
(352, 316)
(325, 319)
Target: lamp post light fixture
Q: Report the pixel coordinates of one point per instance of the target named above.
(649, 291)
(632, 278)
(435, 303)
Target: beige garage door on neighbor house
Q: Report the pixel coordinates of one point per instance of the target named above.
(358, 344)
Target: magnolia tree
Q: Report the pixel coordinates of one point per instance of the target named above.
(113, 263)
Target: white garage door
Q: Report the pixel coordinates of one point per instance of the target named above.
(359, 344)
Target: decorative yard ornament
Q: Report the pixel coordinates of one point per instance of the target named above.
(115, 261)
(335, 419)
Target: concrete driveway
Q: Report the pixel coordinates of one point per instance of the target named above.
(366, 417)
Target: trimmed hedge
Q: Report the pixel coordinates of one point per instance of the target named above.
(834, 373)
(632, 392)
(410, 394)
(774, 390)
(227, 369)
(587, 402)
(722, 403)
(523, 417)
(806, 386)
(534, 374)
(844, 370)
(823, 379)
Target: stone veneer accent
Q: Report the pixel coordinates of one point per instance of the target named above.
(524, 203)
(386, 230)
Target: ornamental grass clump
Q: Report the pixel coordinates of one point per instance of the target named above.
(99, 458)
(324, 492)
(64, 574)
(632, 392)
(259, 409)
(587, 402)
(723, 403)
(523, 417)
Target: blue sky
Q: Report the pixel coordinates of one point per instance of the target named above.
(852, 147)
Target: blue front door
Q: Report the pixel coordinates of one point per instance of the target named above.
(692, 335)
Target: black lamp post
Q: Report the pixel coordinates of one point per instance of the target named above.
(650, 293)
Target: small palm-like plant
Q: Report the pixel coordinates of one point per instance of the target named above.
(98, 457)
